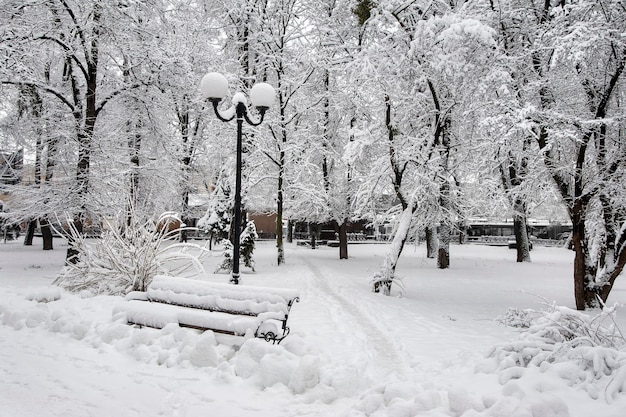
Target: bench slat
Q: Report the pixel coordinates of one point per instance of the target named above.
(158, 315)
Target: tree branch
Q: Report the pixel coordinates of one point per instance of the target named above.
(44, 88)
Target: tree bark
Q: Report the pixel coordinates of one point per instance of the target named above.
(36, 108)
(432, 242)
(46, 233)
(445, 202)
(280, 246)
(85, 125)
(385, 277)
(290, 231)
(583, 295)
(443, 254)
(282, 160)
(30, 232)
(343, 240)
(520, 229)
(313, 234)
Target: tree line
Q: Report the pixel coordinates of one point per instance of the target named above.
(451, 109)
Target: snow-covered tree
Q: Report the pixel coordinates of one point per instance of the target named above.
(333, 113)
(569, 63)
(217, 218)
(65, 52)
(425, 62)
(283, 64)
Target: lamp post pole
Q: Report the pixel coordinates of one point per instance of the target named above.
(214, 87)
(240, 109)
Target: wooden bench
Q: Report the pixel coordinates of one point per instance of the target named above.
(222, 308)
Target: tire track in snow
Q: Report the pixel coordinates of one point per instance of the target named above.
(386, 357)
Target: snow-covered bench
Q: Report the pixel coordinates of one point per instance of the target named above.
(222, 308)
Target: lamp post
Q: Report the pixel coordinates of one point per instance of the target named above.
(214, 87)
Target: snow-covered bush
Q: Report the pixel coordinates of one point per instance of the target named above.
(227, 263)
(518, 318)
(246, 249)
(127, 260)
(560, 338)
(248, 239)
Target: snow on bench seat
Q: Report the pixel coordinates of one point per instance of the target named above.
(238, 299)
(223, 308)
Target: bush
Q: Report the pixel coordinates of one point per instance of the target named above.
(126, 260)
(551, 339)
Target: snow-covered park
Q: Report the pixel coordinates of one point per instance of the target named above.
(440, 348)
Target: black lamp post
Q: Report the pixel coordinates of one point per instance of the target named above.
(214, 87)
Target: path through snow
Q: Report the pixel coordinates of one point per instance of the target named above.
(386, 362)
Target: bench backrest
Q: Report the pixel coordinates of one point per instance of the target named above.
(238, 299)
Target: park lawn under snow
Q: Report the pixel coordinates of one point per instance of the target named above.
(350, 352)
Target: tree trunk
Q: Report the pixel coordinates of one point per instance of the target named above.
(46, 234)
(36, 110)
(30, 232)
(343, 240)
(462, 233)
(443, 254)
(313, 234)
(584, 295)
(281, 139)
(75, 231)
(445, 202)
(290, 231)
(522, 242)
(431, 242)
(384, 278)
(280, 246)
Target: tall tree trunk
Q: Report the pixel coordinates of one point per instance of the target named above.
(289, 231)
(432, 241)
(445, 232)
(36, 108)
(445, 202)
(282, 160)
(30, 232)
(583, 272)
(340, 228)
(313, 230)
(384, 278)
(85, 128)
(46, 233)
(280, 246)
(342, 234)
(512, 177)
(133, 129)
(44, 223)
(188, 149)
(520, 229)
(343, 240)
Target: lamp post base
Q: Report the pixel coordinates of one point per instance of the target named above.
(234, 279)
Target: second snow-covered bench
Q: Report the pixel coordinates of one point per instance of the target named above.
(222, 308)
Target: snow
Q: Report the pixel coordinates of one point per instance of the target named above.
(429, 352)
(214, 85)
(262, 95)
(219, 295)
(239, 97)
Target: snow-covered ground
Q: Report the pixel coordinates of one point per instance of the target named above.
(350, 352)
